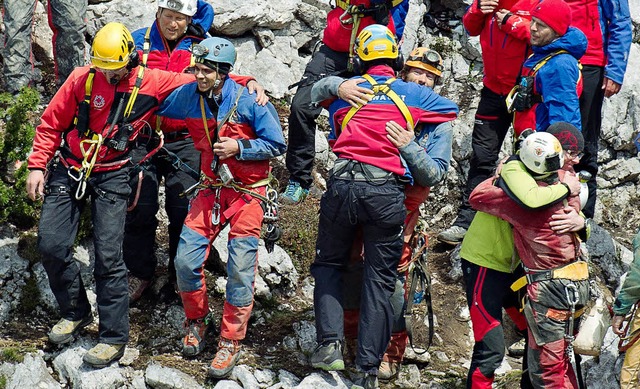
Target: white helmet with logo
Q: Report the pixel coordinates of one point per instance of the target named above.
(185, 7)
(542, 153)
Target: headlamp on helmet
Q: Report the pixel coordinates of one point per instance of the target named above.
(215, 53)
(426, 59)
(112, 47)
(185, 7)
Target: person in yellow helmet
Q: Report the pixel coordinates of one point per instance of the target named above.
(86, 143)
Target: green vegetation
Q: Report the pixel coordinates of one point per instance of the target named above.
(11, 355)
(15, 142)
(3, 381)
(300, 225)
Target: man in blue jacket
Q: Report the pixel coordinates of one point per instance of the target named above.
(166, 45)
(550, 84)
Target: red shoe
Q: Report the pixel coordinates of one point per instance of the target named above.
(225, 359)
(193, 342)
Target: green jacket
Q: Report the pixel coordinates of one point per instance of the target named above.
(489, 239)
(630, 291)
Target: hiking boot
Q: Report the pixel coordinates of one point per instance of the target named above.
(365, 381)
(225, 359)
(517, 349)
(102, 354)
(193, 342)
(328, 356)
(65, 330)
(294, 194)
(388, 370)
(136, 287)
(452, 235)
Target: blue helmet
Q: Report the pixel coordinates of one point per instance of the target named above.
(214, 52)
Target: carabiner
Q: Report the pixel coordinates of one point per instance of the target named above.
(80, 191)
(80, 174)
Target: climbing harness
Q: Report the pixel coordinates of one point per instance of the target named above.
(419, 282)
(91, 145)
(381, 89)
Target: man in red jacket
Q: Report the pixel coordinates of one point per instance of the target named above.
(86, 143)
(503, 27)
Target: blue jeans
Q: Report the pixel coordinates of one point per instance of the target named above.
(58, 228)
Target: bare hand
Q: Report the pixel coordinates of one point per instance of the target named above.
(488, 6)
(499, 16)
(353, 94)
(573, 182)
(398, 135)
(226, 148)
(499, 167)
(35, 185)
(566, 220)
(617, 324)
(610, 87)
(261, 98)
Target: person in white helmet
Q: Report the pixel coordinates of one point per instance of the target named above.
(166, 45)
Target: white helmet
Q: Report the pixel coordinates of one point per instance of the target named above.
(542, 153)
(185, 7)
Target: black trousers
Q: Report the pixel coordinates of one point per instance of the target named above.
(141, 224)
(378, 210)
(301, 148)
(490, 128)
(591, 112)
(57, 231)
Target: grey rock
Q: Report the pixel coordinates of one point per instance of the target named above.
(288, 380)
(306, 336)
(324, 380)
(265, 377)
(161, 377)
(227, 384)
(243, 374)
(602, 252)
(32, 373)
(408, 377)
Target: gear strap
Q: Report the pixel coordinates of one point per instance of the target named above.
(381, 89)
(419, 283)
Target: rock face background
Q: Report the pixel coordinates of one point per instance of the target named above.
(275, 40)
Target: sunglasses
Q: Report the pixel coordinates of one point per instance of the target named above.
(574, 154)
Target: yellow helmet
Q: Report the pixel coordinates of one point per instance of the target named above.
(426, 59)
(112, 47)
(376, 42)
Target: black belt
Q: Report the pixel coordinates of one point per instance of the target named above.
(345, 169)
(176, 135)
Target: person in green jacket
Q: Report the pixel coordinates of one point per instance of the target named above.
(627, 298)
(490, 264)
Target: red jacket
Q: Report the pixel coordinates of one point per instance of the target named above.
(539, 247)
(503, 49)
(57, 119)
(337, 35)
(585, 15)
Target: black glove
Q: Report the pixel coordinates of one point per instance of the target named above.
(195, 30)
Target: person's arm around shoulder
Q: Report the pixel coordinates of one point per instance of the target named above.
(348, 90)
(269, 142)
(526, 190)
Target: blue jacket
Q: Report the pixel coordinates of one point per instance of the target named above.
(256, 128)
(557, 81)
(176, 60)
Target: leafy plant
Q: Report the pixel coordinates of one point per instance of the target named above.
(15, 143)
